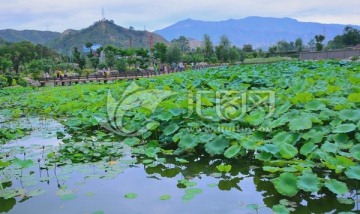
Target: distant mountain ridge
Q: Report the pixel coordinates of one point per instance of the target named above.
(103, 32)
(261, 32)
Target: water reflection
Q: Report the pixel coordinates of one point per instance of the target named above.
(101, 186)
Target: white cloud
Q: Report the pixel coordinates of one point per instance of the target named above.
(156, 14)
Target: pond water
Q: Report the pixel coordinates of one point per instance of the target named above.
(138, 184)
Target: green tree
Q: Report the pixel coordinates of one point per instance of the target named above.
(319, 39)
(208, 47)
(5, 64)
(299, 45)
(351, 36)
(80, 60)
(183, 43)
(174, 54)
(160, 50)
(223, 49)
(234, 54)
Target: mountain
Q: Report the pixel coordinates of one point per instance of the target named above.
(261, 32)
(102, 32)
(35, 36)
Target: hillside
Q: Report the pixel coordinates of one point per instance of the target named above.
(34, 36)
(104, 32)
(261, 32)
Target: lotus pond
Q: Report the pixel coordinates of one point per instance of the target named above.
(277, 138)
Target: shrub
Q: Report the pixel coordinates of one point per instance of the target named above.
(3, 82)
(354, 58)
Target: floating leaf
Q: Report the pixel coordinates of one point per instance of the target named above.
(272, 169)
(355, 152)
(309, 182)
(329, 147)
(286, 184)
(36, 192)
(152, 151)
(299, 123)
(336, 186)
(353, 172)
(232, 151)
(152, 125)
(171, 129)
(68, 197)
(280, 209)
(348, 201)
(188, 142)
(217, 146)
(349, 114)
(223, 168)
(131, 141)
(287, 151)
(23, 163)
(315, 105)
(307, 148)
(256, 118)
(344, 128)
(165, 197)
(181, 160)
(130, 195)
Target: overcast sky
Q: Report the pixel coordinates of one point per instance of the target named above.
(59, 15)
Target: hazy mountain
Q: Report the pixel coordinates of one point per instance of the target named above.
(35, 36)
(102, 32)
(258, 31)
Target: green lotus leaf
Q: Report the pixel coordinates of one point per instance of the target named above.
(336, 186)
(256, 118)
(130, 195)
(307, 148)
(348, 201)
(329, 147)
(353, 172)
(264, 156)
(354, 97)
(283, 108)
(314, 136)
(23, 163)
(4, 164)
(181, 160)
(165, 197)
(309, 182)
(217, 146)
(285, 137)
(152, 125)
(342, 140)
(232, 151)
(302, 122)
(171, 129)
(188, 142)
(280, 209)
(35, 192)
(344, 128)
(349, 114)
(287, 151)
(223, 168)
(131, 141)
(272, 169)
(165, 116)
(152, 151)
(315, 105)
(249, 144)
(194, 191)
(286, 185)
(355, 152)
(270, 148)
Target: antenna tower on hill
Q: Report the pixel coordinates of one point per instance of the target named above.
(103, 13)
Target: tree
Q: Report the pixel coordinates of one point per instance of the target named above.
(160, 50)
(174, 54)
(5, 64)
(208, 47)
(183, 43)
(234, 54)
(319, 39)
(247, 48)
(351, 36)
(80, 60)
(299, 45)
(222, 51)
